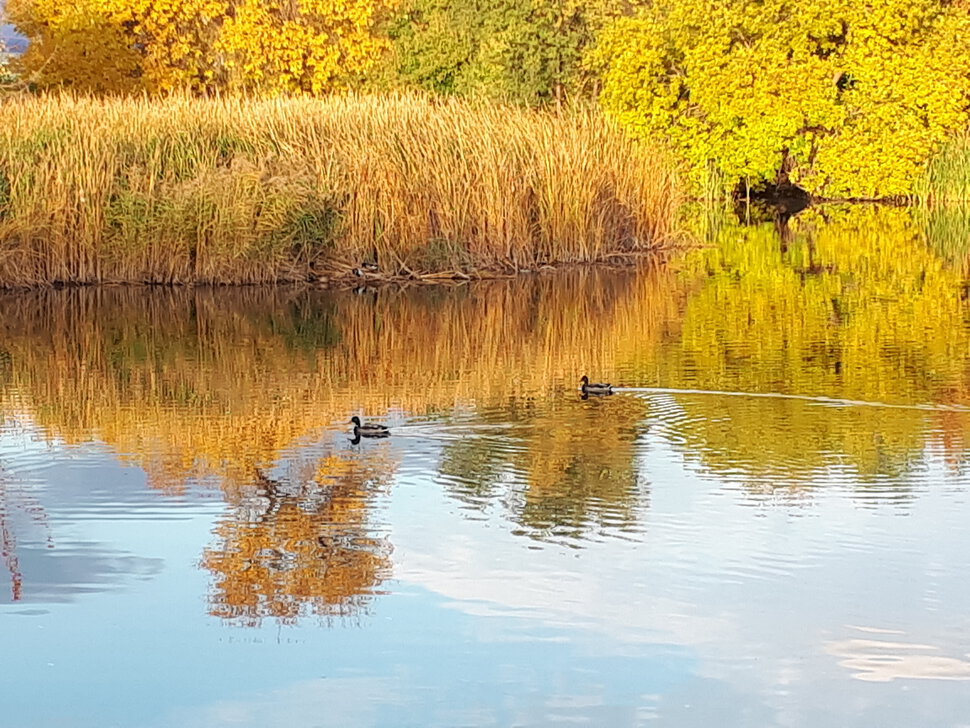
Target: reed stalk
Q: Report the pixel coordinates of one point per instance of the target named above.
(947, 177)
(234, 190)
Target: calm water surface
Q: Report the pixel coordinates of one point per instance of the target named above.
(767, 526)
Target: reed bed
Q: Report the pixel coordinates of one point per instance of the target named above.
(232, 190)
(947, 178)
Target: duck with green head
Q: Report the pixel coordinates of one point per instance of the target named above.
(369, 429)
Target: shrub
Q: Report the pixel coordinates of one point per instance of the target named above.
(529, 51)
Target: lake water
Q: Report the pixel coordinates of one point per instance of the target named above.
(765, 526)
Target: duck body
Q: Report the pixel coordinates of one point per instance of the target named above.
(369, 429)
(588, 387)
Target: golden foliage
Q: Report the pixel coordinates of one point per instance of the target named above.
(75, 42)
(849, 99)
(120, 46)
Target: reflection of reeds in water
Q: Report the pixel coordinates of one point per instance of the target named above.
(195, 383)
(947, 229)
(216, 385)
(237, 191)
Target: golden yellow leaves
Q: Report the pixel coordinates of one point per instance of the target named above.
(75, 44)
(119, 46)
(855, 98)
(318, 48)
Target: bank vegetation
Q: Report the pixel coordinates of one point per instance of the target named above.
(230, 190)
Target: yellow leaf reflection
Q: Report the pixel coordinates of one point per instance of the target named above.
(850, 303)
(295, 545)
(572, 465)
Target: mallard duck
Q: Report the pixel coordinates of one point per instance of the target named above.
(368, 430)
(595, 387)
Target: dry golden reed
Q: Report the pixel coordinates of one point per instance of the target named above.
(232, 190)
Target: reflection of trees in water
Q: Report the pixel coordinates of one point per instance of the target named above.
(954, 437)
(853, 305)
(301, 543)
(204, 386)
(565, 469)
(786, 448)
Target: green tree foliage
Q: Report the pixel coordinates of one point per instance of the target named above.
(529, 51)
(847, 99)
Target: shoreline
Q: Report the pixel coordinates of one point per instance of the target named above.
(353, 277)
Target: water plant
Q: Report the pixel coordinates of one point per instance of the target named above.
(947, 177)
(232, 190)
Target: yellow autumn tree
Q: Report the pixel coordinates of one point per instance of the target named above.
(259, 46)
(845, 99)
(300, 46)
(75, 44)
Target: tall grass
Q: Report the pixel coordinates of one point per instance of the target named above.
(243, 191)
(947, 177)
(944, 197)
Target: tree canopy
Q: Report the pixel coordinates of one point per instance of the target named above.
(531, 51)
(846, 99)
(275, 46)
